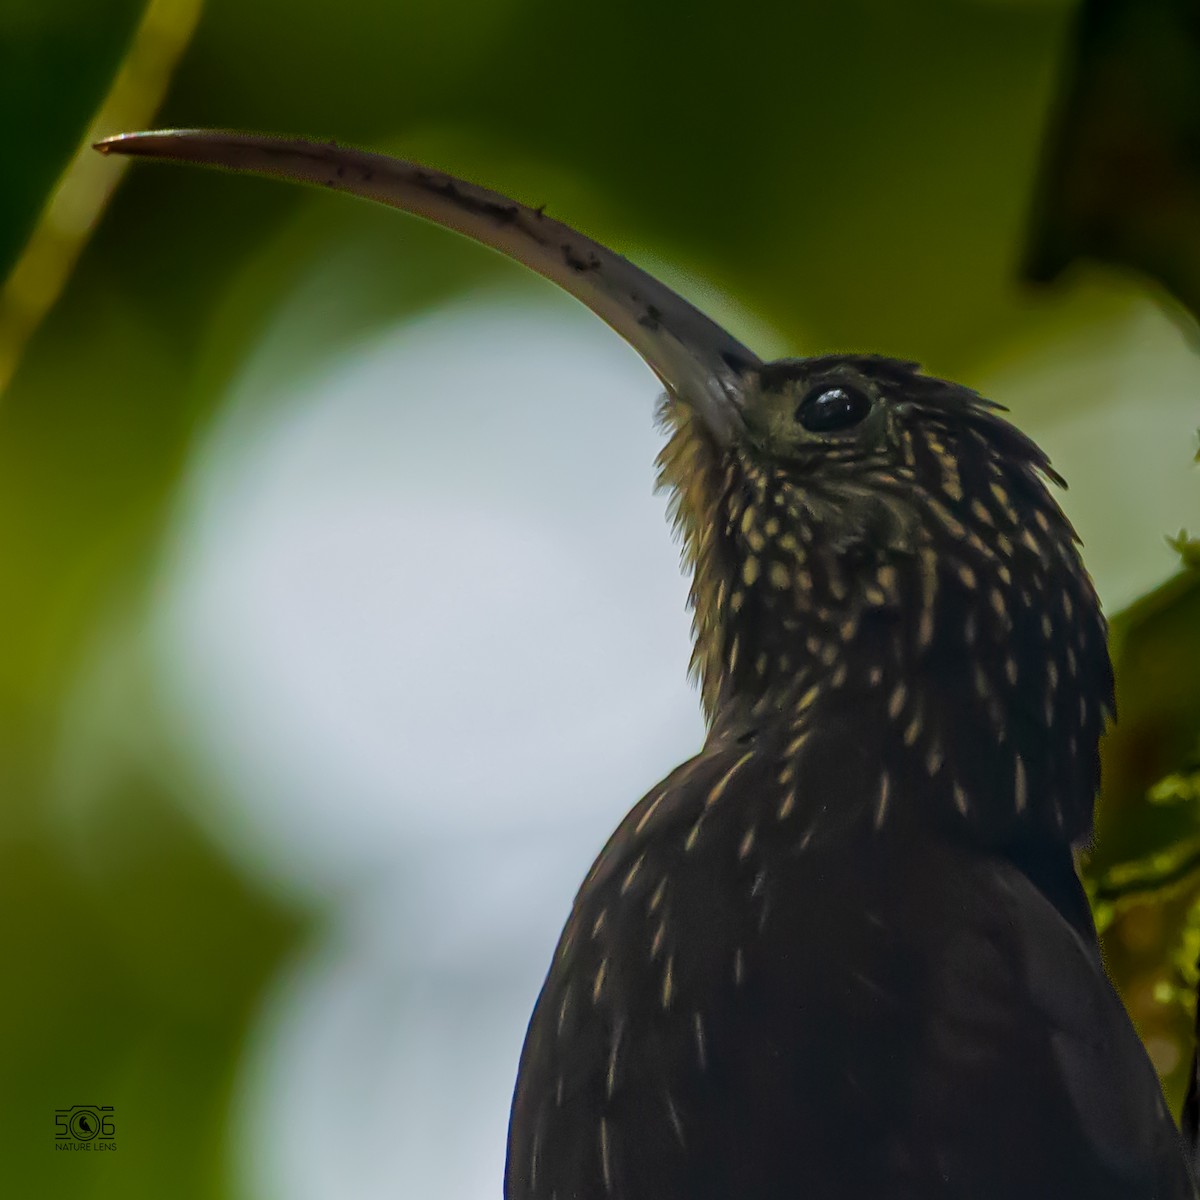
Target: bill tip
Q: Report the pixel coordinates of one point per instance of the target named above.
(126, 143)
(117, 142)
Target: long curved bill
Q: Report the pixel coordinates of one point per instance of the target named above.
(697, 361)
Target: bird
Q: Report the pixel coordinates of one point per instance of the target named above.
(843, 951)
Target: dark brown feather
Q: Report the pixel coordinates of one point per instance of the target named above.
(844, 952)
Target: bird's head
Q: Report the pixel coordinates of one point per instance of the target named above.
(883, 544)
(861, 536)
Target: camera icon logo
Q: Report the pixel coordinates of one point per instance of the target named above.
(83, 1122)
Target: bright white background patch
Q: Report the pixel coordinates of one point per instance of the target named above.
(425, 618)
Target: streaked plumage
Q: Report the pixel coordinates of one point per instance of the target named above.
(843, 952)
(862, 888)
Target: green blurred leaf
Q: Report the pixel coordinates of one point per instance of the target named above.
(57, 61)
(1142, 874)
(1121, 180)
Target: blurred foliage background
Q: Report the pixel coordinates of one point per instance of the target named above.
(340, 621)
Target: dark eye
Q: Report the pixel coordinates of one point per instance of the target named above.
(826, 409)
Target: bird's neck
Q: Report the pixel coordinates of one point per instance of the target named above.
(966, 656)
(977, 699)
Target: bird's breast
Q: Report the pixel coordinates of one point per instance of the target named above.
(730, 967)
